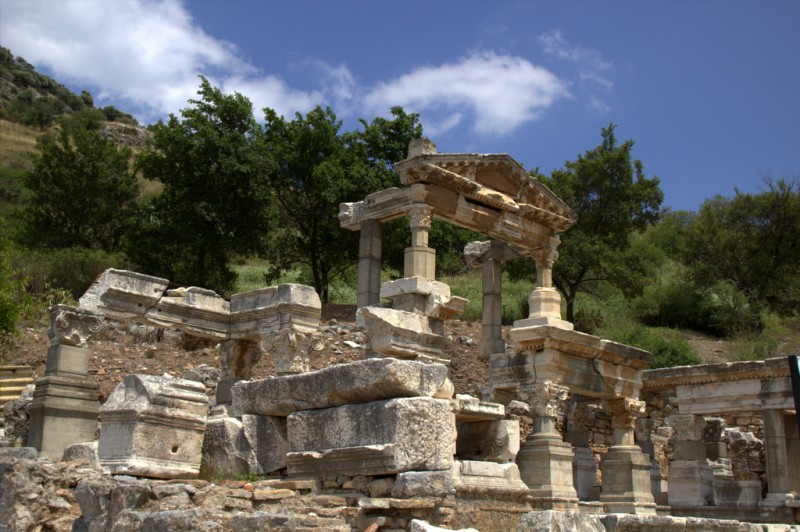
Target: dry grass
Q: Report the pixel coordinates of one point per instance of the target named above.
(17, 142)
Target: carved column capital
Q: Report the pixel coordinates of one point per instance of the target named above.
(545, 258)
(624, 412)
(71, 326)
(420, 216)
(291, 349)
(544, 398)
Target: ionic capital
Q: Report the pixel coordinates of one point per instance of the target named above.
(71, 326)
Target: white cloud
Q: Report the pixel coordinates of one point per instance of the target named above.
(590, 62)
(145, 52)
(502, 92)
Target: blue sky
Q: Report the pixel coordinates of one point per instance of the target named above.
(708, 90)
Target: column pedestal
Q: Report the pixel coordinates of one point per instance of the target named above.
(626, 481)
(545, 466)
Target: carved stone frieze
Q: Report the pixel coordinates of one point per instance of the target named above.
(70, 326)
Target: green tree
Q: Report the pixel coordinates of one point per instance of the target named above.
(316, 168)
(608, 190)
(83, 190)
(751, 242)
(215, 201)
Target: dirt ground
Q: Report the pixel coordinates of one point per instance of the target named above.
(120, 349)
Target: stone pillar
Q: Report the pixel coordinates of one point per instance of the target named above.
(291, 350)
(237, 358)
(544, 303)
(420, 260)
(544, 459)
(626, 469)
(777, 460)
(492, 313)
(64, 407)
(369, 263)
(691, 480)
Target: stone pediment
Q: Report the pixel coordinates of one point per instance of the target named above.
(495, 180)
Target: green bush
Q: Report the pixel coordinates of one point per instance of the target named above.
(667, 345)
(71, 270)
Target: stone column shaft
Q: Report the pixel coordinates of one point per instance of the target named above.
(492, 313)
(237, 358)
(369, 263)
(420, 260)
(777, 458)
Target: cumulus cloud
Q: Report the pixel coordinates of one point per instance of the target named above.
(143, 52)
(501, 91)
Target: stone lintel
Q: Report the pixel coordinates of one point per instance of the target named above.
(401, 334)
(523, 232)
(580, 344)
(123, 294)
(194, 310)
(368, 380)
(286, 306)
(713, 398)
(665, 378)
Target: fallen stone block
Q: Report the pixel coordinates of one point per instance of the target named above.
(363, 381)
(418, 525)
(383, 437)
(558, 521)
(481, 476)
(413, 484)
(402, 334)
(123, 295)
(267, 437)
(286, 306)
(226, 451)
(83, 452)
(153, 427)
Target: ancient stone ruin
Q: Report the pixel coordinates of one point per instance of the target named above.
(384, 443)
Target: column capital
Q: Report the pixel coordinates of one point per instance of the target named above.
(420, 216)
(544, 397)
(624, 411)
(72, 326)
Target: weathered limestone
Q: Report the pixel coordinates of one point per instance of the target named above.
(64, 407)
(415, 484)
(690, 476)
(420, 260)
(369, 263)
(483, 431)
(123, 295)
(480, 475)
(237, 447)
(237, 358)
(714, 389)
(363, 381)
(553, 521)
(194, 310)
(382, 437)
(625, 468)
(153, 427)
(401, 334)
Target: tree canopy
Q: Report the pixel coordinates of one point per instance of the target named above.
(215, 200)
(609, 192)
(317, 167)
(83, 189)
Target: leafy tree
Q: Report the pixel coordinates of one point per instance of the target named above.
(215, 201)
(751, 242)
(608, 190)
(316, 168)
(83, 190)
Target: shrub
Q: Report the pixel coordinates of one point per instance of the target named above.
(668, 346)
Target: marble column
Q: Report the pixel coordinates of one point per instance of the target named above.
(544, 303)
(420, 260)
(625, 468)
(778, 464)
(64, 407)
(544, 459)
(369, 263)
(492, 312)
